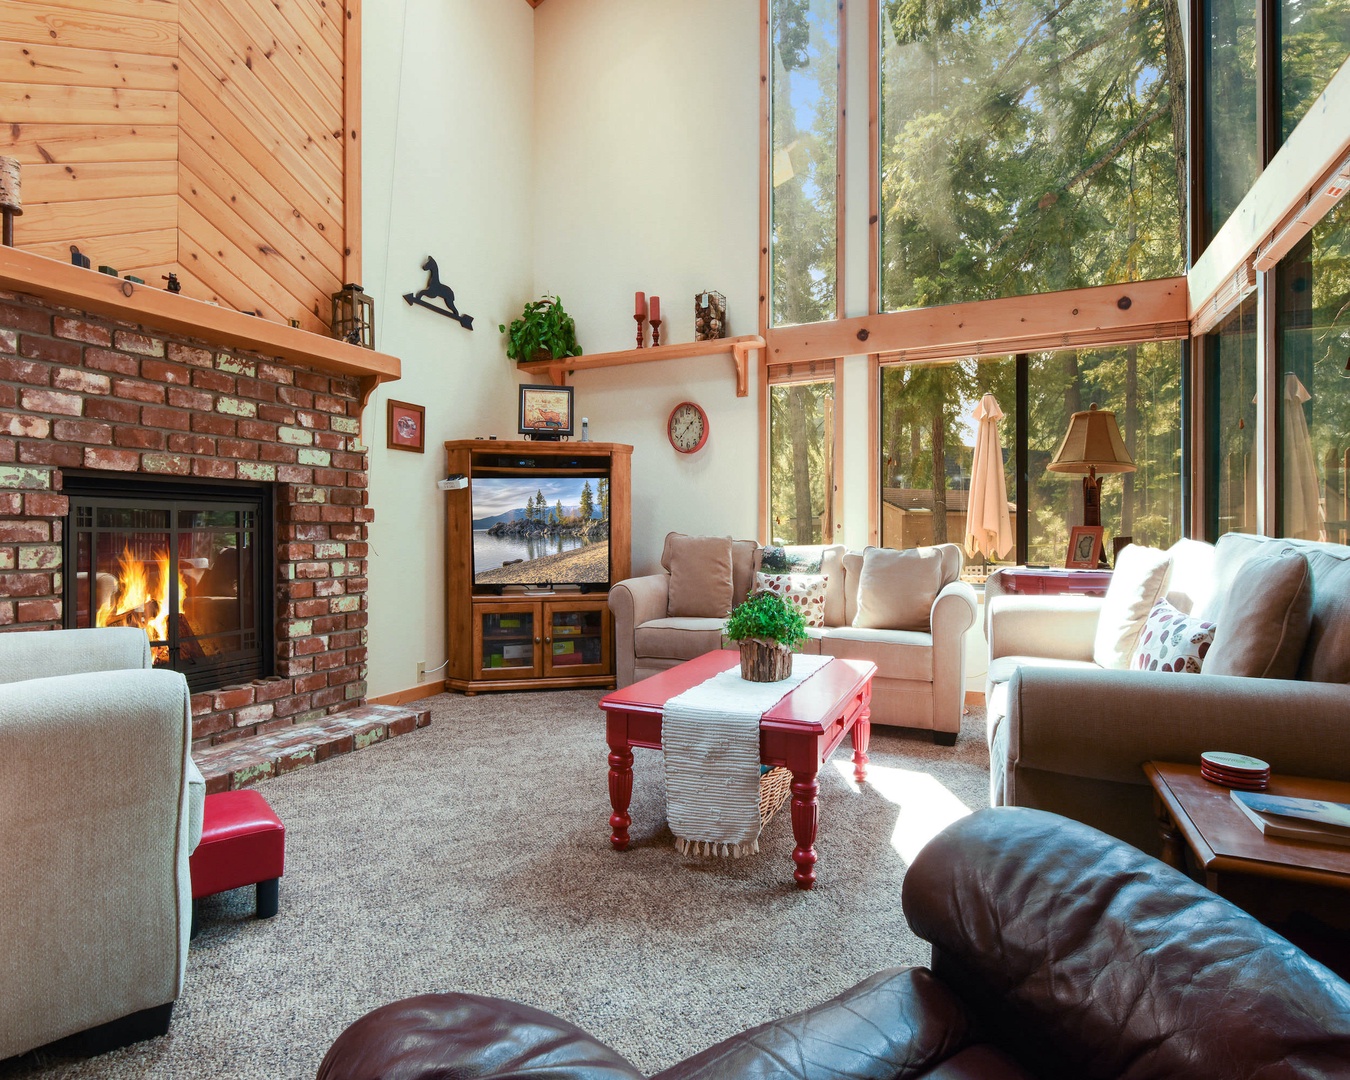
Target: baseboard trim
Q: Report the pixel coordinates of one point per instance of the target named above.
(974, 697)
(415, 693)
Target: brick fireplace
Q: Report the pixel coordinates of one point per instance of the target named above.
(88, 395)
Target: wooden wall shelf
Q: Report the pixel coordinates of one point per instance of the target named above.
(156, 309)
(738, 348)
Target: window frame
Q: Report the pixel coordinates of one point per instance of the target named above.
(1221, 272)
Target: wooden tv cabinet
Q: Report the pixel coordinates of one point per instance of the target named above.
(531, 639)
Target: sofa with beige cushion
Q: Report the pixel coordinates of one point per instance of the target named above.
(907, 612)
(1073, 713)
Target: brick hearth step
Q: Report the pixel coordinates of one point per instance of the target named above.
(243, 762)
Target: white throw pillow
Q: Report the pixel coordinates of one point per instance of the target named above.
(805, 592)
(1138, 581)
(1193, 584)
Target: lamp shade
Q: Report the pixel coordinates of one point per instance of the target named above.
(1092, 442)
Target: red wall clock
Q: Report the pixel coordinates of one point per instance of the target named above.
(687, 427)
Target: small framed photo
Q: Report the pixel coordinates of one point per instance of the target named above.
(407, 426)
(545, 411)
(1085, 547)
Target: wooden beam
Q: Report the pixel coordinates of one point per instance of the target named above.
(351, 112)
(88, 290)
(1078, 318)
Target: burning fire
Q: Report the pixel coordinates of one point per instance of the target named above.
(135, 602)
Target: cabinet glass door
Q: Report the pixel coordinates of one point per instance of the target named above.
(507, 641)
(576, 639)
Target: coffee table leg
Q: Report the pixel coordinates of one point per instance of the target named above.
(620, 793)
(862, 736)
(805, 808)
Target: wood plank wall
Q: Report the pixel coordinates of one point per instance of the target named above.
(203, 137)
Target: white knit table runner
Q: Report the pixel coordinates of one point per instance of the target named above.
(710, 735)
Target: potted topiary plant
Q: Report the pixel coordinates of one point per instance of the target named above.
(544, 331)
(768, 629)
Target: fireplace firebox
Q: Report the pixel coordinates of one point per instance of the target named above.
(189, 564)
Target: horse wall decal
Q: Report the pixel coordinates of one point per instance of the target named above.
(438, 291)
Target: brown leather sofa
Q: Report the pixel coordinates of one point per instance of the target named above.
(1058, 951)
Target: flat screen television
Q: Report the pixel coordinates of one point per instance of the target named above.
(540, 530)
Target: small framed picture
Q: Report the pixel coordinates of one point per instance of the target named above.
(407, 426)
(1085, 547)
(545, 411)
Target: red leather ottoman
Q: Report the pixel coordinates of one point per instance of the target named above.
(243, 843)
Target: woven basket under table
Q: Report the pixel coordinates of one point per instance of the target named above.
(774, 788)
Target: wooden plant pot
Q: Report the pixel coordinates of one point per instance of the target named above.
(765, 661)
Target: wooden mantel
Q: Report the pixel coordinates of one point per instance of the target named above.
(157, 309)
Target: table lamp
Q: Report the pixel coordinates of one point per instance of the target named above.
(1092, 445)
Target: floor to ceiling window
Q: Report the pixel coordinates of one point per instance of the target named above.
(801, 456)
(1232, 156)
(1028, 146)
(928, 433)
(804, 160)
(1314, 40)
(1037, 149)
(927, 440)
(1232, 465)
(1313, 384)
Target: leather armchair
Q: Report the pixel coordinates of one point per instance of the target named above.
(1058, 951)
(101, 807)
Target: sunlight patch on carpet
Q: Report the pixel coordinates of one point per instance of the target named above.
(926, 805)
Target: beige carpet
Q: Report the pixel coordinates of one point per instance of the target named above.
(474, 855)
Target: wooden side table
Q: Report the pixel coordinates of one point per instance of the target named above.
(1296, 888)
(1051, 580)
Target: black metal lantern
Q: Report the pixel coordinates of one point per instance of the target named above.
(354, 317)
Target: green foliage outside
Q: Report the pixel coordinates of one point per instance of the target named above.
(804, 95)
(1029, 146)
(767, 616)
(1032, 146)
(801, 434)
(543, 327)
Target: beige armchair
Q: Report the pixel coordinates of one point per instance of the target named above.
(920, 680)
(101, 807)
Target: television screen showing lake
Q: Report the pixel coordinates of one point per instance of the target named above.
(541, 529)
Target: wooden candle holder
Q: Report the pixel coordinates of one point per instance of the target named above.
(639, 319)
(656, 332)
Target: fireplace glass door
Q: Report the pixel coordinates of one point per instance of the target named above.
(189, 571)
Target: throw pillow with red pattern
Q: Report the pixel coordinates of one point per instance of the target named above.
(1172, 641)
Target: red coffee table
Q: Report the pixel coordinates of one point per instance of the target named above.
(800, 732)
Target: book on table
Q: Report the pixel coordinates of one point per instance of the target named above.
(1314, 820)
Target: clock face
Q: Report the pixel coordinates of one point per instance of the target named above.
(687, 427)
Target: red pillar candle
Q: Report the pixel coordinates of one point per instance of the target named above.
(639, 305)
(655, 313)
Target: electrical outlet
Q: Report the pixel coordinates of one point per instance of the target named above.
(421, 671)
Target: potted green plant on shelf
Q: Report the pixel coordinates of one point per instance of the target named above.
(768, 628)
(544, 331)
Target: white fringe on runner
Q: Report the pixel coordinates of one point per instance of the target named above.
(710, 734)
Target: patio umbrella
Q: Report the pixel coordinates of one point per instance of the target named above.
(988, 525)
(1304, 517)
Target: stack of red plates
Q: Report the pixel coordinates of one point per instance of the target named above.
(1235, 770)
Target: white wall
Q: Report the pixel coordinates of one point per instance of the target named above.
(448, 171)
(647, 178)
